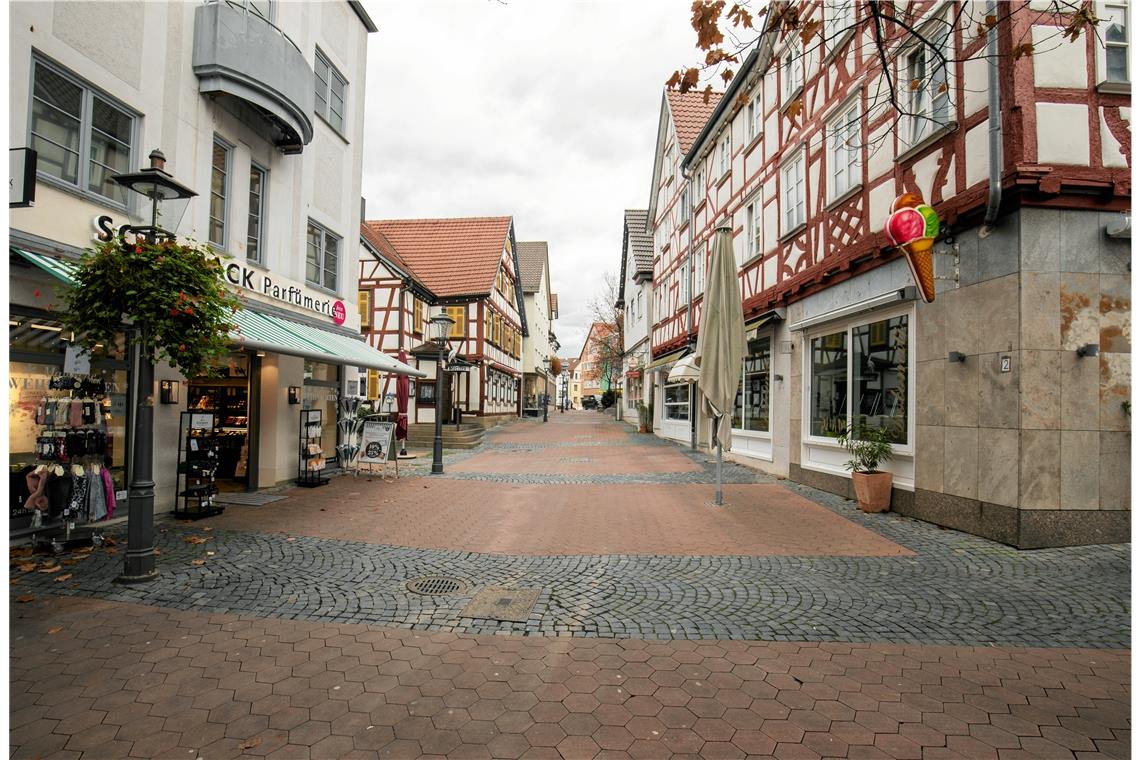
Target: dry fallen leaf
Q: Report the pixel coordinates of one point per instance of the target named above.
(157, 552)
(23, 552)
(250, 743)
(25, 598)
(52, 569)
(196, 539)
(109, 541)
(27, 567)
(198, 562)
(209, 554)
(62, 578)
(112, 551)
(57, 629)
(207, 529)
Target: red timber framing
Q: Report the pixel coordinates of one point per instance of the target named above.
(841, 236)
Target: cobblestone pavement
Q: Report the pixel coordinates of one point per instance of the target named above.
(280, 638)
(97, 679)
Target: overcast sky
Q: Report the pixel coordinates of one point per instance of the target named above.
(543, 110)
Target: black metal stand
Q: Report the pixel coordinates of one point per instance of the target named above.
(310, 455)
(197, 466)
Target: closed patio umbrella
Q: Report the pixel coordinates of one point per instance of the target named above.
(402, 406)
(720, 344)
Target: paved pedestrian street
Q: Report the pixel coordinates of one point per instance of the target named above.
(587, 601)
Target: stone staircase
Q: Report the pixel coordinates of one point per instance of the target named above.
(468, 436)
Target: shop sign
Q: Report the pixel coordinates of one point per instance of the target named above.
(376, 442)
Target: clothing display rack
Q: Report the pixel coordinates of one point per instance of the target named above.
(69, 486)
(198, 436)
(310, 455)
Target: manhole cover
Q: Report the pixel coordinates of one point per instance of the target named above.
(436, 585)
(501, 603)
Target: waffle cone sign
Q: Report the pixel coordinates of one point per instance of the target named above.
(913, 227)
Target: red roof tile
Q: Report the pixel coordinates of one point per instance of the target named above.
(384, 246)
(450, 256)
(690, 112)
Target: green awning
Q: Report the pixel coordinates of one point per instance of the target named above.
(59, 268)
(752, 329)
(346, 349)
(666, 359)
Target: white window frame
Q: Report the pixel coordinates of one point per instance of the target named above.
(763, 434)
(700, 264)
(844, 150)
(322, 264)
(792, 68)
(686, 206)
(88, 94)
(847, 325)
(260, 214)
(838, 22)
(753, 221)
(670, 405)
(789, 224)
(755, 116)
(921, 103)
(227, 174)
(324, 91)
(726, 154)
(1103, 44)
(699, 195)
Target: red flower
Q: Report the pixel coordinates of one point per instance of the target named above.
(174, 312)
(181, 346)
(138, 249)
(189, 310)
(36, 292)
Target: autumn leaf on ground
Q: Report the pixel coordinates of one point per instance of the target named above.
(196, 539)
(207, 529)
(25, 599)
(198, 562)
(62, 578)
(13, 581)
(110, 541)
(26, 567)
(157, 552)
(85, 550)
(209, 554)
(56, 629)
(112, 551)
(250, 743)
(24, 552)
(52, 569)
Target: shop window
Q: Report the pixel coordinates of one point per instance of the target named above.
(80, 136)
(425, 392)
(321, 391)
(677, 401)
(860, 376)
(459, 314)
(254, 228)
(752, 408)
(330, 89)
(322, 250)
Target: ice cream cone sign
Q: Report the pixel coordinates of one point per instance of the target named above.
(913, 226)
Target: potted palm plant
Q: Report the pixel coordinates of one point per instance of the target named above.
(869, 447)
(644, 417)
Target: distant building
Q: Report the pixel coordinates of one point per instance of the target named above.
(635, 300)
(541, 312)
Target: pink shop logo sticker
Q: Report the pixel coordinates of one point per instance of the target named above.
(338, 313)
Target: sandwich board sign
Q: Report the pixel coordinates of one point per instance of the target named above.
(376, 442)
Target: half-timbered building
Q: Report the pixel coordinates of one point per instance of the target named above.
(468, 267)
(541, 344)
(635, 300)
(1005, 397)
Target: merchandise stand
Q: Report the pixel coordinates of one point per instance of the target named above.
(197, 466)
(310, 455)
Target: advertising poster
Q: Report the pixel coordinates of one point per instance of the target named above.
(376, 442)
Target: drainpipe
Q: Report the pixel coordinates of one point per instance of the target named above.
(996, 158)
(692, 223)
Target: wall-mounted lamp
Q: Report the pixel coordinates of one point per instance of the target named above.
(778, 378)
(956, 356)
(168, 391)
(1089, 349)
(261, 354)
(294, 394)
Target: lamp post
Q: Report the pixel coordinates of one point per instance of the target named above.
(440, 331)
(138, 564)
(545, 387)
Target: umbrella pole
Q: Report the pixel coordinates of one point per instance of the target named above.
(719, 490)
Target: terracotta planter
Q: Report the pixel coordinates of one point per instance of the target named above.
(643, 428)
(873, 489)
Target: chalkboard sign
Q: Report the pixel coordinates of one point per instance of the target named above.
(376, 442)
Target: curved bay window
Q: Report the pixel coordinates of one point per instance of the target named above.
(677, 401)
(860, 375)
(751, 411)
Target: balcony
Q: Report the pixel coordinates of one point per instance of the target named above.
(254, 71)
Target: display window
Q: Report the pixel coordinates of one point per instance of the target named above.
(860, 375)
(752, 409)
(677, 401)
(321, 390)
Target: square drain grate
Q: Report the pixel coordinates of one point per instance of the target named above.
(502, 603)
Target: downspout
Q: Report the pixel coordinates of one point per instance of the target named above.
(692, 223)
(996, 157)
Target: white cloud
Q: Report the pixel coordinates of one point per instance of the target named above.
(543, 109)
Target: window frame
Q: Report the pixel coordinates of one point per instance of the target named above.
(227, 185)
(847, 326)
(262, 215)
(1103, 44)
(364, 306)
(834, 12)
(755, 117)
(764, 434)
(921, 121)
(88, 93)
(697, 198)
(753, 218)
(837, 122)
(334, 72)
(725, 153)
(459, 328)
(322, 269)
(793, 70)
(669, 406)
(797, 159)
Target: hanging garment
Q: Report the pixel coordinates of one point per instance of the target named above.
(109, 492)
(77, 504)
(37, 487)
(89, 412)
(58, 492)
(75, 414)
(96, 495)
(41, 411)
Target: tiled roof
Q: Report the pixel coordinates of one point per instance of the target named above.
(384, 246)
(532, 259)
(450, 256)
(640, 241)
(690, 112)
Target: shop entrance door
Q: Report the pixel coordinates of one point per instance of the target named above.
(445, 386)
(228, 399)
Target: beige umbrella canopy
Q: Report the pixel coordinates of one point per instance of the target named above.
(720, 343)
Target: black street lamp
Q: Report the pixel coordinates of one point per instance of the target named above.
(440, 331)
(138, 564)
(545, 386)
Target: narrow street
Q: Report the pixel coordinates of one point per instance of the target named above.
(589, 601)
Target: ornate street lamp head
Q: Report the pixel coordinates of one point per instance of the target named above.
(441, 325)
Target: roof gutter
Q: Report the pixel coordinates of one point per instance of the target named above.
(996, 157)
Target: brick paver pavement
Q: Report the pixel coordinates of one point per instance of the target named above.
(261, 636)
